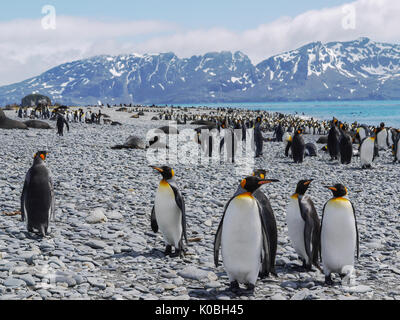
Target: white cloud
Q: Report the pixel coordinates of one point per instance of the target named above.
(27, 50)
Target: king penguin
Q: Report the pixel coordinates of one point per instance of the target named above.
(304, 226)
(269, 219)
(333, 141)
(168, 213)
(298, 147)
(367, 152)
(37, 199)
(243, 237)
(382, 137)
(396, 149)
(345, 146)
(339, 235)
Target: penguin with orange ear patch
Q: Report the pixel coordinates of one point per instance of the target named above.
(339, 235)
(37, 199)
(243, 237)
(298, 147)
(168, 213)
(304, 226)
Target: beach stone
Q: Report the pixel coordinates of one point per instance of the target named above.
(96, 244)
(97, 216)
(358, 289)
(193, 273)
(14, 283)
(278, 297)
(301, 295)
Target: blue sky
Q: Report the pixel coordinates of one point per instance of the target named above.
(258, 28)
(237, 15)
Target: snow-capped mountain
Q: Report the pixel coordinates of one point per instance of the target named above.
(360, 69)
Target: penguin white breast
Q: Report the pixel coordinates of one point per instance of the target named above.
(241, 240)
(382, 139)
(168, 214)
(398, 150)
(367, 151)
(296, 225)
(338, 235)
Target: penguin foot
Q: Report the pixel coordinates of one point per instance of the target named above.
(177, 253)
(234, 287)
(168, 250)
(250, 288)
(328, 281)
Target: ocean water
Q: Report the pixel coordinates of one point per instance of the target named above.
(364, 112)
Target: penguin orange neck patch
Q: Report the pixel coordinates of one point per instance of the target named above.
(295, 196)
(164, 183)
(245, 195)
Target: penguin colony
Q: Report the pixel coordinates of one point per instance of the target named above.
(247, 235)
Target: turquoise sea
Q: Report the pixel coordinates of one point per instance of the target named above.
(364, 112)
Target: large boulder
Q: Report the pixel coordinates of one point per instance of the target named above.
(6, 123)
(34, 100)
(37, 124)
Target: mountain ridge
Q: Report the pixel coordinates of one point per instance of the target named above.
(353, 70)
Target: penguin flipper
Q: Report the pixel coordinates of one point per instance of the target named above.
(357, 234)
(307, 211)
(266, 259)
(320, 233)
(52, 208)
(217, 243)
(218, 235)
(154, 224)
(180, 202)
(26, 182)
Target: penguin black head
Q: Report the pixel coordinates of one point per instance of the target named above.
(260, 173)
(382, 125)
(302, 186)
(166, 172)
(251, 184)
(42, 155)
(299, 131)
(338, 190)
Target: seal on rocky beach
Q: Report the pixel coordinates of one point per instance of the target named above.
(37, 199)
(37, 124)
(133, 142)
(168, 213)
(6, 123)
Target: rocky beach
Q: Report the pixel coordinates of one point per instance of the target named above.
(101, 245)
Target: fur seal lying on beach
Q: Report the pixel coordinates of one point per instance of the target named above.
(6, 123)
(37, 124)
(133, 142)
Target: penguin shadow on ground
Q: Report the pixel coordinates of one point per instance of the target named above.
(153, 253)
(294, 268)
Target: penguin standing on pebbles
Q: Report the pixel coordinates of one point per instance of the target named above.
(37, 199)
(304, 226)
(367, 152)
(339, 235)
(168, 213)
(298, 147)
(243, 237)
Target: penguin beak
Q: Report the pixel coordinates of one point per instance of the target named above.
(158, 169)
(308, 182)
(331, 188)
(267, 181)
